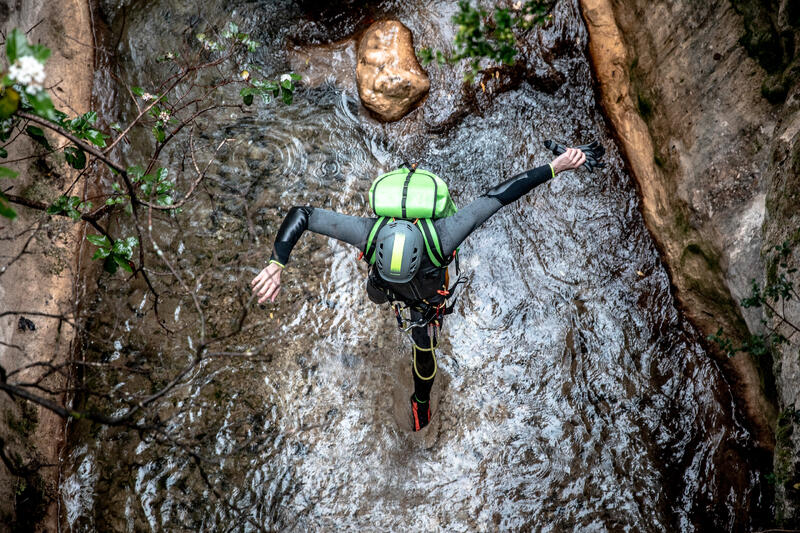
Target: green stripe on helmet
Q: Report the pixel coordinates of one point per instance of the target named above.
(397, 253)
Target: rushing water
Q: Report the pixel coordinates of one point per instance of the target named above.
(571, 394)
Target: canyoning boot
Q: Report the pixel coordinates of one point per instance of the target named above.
(420, 413)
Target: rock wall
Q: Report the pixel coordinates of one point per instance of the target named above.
(714, 148)
(38, 265)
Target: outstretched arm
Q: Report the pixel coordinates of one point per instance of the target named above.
(346, 228)
(453, 230)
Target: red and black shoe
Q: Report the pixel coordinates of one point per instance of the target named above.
(420, 413)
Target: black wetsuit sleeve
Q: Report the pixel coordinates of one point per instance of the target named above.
(346, 228)
(454, 229)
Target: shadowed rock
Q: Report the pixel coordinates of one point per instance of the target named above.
(390, 80)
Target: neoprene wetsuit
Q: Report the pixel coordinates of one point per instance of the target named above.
(430, 278)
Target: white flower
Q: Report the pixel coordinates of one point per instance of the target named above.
(517, 6)
(163, 116)
(245, 74)
(528, 18)
(26, 70)
(147, 96)
(33, 88)
(285, 77)
(170, 55)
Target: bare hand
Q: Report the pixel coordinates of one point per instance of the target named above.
(572, 158)
(267, 284)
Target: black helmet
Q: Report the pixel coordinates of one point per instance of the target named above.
(398, 251)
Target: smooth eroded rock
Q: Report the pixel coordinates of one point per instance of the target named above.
(390, 80)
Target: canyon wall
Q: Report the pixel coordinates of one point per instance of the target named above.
(38, 267)
(704, 101)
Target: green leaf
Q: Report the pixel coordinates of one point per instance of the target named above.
(5, 209)
(58, 206)
(8, 173)
(135, 173)
(61, 117)
(96, 138)
(287, 97)
(40, 52)
(296, 77)
(42, 105)
(287, 84)
(3, 152)
(159, 133)
(6, 127)
(75, 157)
(17, 45)
(162, 174)
(100, 241)
(138, 91)
(9, 103)
(109, 265)
(38, 135)
(121, 261)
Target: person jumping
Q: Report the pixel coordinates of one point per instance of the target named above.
(408, 253)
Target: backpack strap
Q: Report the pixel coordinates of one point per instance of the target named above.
(405, 192)
(369, 249)
(432, 244)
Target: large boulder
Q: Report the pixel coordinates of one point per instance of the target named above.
(390, 80)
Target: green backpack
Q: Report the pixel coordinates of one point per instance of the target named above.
(412, 194)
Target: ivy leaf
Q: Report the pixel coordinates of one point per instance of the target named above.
(17, 45)
(38, 135)
(75, 157)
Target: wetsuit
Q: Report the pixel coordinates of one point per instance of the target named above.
(430, 278)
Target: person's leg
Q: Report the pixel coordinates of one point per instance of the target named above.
(423, 369)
